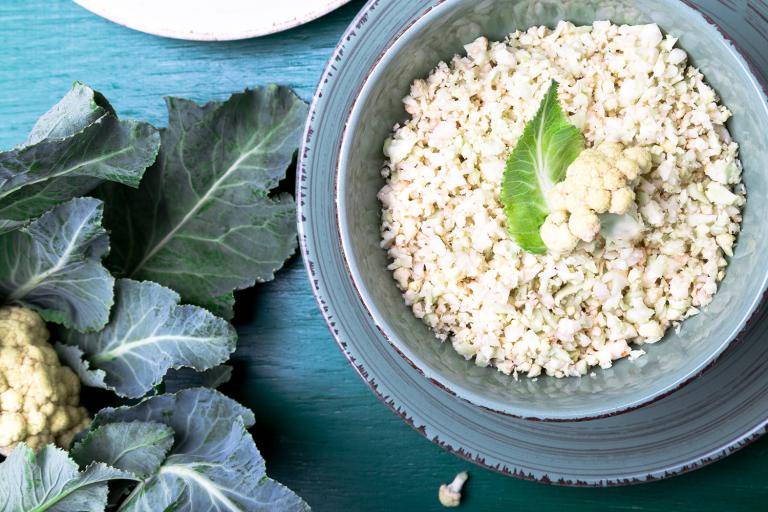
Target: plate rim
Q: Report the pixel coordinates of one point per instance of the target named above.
(101, 8)
(355, 30)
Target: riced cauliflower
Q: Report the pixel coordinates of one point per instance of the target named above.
(39, 398)
(658, 156)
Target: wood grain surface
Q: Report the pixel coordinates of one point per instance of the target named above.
(322, 432)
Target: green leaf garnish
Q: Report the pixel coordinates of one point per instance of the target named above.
(549, 144)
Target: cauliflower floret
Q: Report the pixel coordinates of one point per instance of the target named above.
(39, 398)
(556, 234)
(599, 181)
(584, 224)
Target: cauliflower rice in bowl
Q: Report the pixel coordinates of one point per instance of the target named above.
(602, 289)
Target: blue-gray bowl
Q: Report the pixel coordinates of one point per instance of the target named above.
(441, 32)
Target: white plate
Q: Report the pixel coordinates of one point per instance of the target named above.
(210, 20)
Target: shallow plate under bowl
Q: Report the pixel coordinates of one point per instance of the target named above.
(717, 413)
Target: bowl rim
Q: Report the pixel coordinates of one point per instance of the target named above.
(756, 305)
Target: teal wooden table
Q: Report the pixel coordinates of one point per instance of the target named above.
(322, 432)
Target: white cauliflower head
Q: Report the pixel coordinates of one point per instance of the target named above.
(39, 398)
(599, 181)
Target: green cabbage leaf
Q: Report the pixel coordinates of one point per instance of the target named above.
(76, 145)
(148, 333)
(204, 221)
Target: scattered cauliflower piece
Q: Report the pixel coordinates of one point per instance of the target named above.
(39, 398)
(450, 494)
(599, 181)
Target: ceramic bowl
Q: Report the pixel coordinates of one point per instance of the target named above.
(438, 34)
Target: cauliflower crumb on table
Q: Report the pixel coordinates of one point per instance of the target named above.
(39, 398)
(642, 111)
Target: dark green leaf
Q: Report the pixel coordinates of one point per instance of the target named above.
(214, 464)
(148, 333)
(75, 146)
(53, 265)
(203, 221)
(80, 107)
(136, 447)
(185, 378)
(50, 481)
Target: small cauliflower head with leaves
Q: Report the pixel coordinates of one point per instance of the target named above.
(600, 180)
(39, 398)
